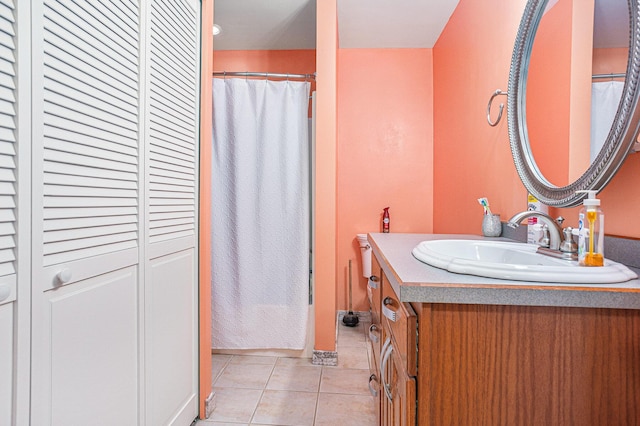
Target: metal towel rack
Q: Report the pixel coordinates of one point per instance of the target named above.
(496, 93)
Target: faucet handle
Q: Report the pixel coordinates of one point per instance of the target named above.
(568, 245)
(545, 241)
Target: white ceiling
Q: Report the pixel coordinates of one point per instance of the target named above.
(265, 24)
(389, 24)
(291, 24)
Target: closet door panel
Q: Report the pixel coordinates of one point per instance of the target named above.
(93, 364)
(6, 362)
(171, 364)
(87, 210)
(171, 138)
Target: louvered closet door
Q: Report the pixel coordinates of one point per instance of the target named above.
(86, 212)
(171, 282)
(8, 186)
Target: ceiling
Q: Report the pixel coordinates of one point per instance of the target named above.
(265, 24)
(291, 24)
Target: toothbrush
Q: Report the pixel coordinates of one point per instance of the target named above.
(485, 204)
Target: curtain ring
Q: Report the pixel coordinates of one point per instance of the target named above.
(501, 108)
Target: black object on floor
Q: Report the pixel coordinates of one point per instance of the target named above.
(350, 319)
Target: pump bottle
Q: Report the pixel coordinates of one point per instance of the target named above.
(591, 232)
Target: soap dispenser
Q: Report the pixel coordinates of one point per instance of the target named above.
(591, 232)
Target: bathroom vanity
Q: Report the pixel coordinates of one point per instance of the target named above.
(460, 349)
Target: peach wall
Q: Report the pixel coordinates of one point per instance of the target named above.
(325, 209)
(549, 93)
(385, 151)
(581, 71)
(559, 92)
(471, 159)
(608, 61)
(204, 219)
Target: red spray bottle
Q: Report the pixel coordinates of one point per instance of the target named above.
(385, 220)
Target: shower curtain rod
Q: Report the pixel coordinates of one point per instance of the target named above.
(612, 75)
(264, 75)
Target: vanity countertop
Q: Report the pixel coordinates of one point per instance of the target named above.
(414, 281)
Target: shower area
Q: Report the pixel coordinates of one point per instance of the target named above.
(262, 192)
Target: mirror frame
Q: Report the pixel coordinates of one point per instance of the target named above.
(621, 136)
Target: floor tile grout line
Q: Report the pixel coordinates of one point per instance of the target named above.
(347, 342)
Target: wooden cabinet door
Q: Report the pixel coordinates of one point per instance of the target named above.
(398, 391)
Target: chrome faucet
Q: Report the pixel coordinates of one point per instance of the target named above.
(555, 230)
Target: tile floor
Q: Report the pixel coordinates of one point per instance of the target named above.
(264, 390)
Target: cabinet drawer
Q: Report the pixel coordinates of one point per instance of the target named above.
(374, 290)
(400, 319)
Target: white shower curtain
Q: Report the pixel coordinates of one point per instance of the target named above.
(605, 97)
(260, 223)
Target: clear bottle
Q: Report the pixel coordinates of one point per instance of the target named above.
(591, 232)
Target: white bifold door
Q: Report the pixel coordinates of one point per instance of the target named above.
(111, 152)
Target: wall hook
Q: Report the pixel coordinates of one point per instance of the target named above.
(496, 93)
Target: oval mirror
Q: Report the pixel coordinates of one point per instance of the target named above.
(553, 65)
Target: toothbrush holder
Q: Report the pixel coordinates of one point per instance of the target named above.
(491, 225)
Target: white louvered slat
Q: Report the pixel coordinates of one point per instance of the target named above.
(91, 130)
(8, 139)
(76, 234)
(80, 223)
(6, 147)
(88, 202)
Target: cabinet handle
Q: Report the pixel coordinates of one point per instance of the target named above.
(383, 369)
(388, 312)
(373, 389)
(373, 281)
(385, 346)
(373, 329)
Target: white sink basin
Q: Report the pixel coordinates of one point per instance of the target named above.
(514, 261)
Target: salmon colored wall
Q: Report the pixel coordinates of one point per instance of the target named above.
(275, 61)
(471, 159)
(385, 152)
(550, 73)
(559, 92)
(608, 61)
(325, 209)
(581, 70)
(204, 219)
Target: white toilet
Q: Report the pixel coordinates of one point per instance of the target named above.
(365, 251)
